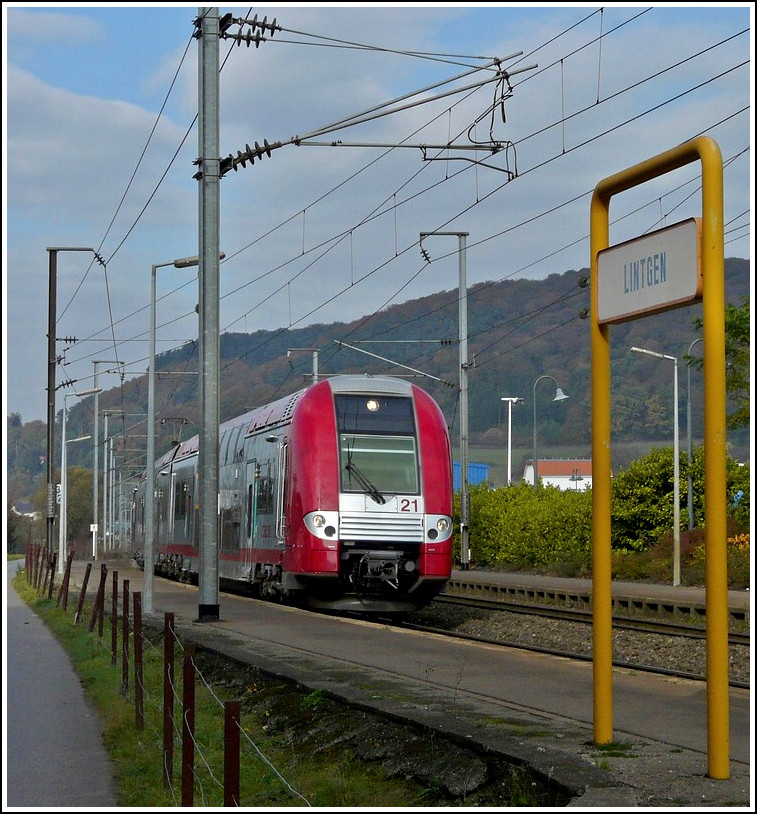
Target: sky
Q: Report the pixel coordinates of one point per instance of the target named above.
(99, 109)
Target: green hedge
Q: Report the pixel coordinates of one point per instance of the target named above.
(521, 527)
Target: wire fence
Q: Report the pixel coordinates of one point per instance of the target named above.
(204, 726)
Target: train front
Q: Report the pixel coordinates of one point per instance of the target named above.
(369, 499)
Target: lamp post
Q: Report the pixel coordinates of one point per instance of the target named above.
(690, 501)
(462, 298)
(149, 552)
(676, 466)
(107, 481)
(510, 401)
(559, 396)
(63, 523)
(96, 454)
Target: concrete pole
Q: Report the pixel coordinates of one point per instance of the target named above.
(209, 302)
(51, 365)
(464, 491)
(62, 530)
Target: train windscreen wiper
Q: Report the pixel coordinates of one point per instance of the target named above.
(365, 483)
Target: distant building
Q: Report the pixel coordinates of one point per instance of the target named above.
(477, 473)
(25, 509)
(564, 473)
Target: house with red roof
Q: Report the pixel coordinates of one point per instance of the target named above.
(564, 473)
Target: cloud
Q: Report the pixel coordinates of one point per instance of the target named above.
(321, 233)
(41, 28)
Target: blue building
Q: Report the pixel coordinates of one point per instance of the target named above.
(477, 473)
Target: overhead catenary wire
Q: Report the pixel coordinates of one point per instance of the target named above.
(700, 52)
(491, 237)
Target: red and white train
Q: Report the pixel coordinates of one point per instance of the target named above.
(338, 496)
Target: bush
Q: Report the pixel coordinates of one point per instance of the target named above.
(546, 529)
(738, 557)
(521, 527)
(642, 501)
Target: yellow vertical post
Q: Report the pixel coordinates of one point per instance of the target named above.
(708, 153)
(601, 485)
(716, 585)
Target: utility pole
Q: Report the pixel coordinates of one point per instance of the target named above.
(52, 361)
(462, 298)
(208, 32)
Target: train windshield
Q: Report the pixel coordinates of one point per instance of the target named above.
(377, 445)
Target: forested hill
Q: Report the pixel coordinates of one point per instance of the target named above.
(518, 331)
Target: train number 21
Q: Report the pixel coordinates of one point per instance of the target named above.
(408, 505)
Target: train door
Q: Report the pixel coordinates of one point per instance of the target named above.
(263, 521)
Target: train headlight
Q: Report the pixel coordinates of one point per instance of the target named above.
(372, 405)
(438, 527)
(323, 524)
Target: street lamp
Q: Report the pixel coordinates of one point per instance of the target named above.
(63, 524)
(149, 552)
(690, 503)
(676, 467)
(96, 453)
(510, 401)
(559, 396)
(576, 477)
(107, 481)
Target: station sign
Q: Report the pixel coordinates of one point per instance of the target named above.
(655, 272)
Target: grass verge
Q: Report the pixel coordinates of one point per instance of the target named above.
(274, 771)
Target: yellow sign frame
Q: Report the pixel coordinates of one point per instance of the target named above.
(706, 151)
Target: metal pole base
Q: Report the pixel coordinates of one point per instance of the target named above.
(208, 613)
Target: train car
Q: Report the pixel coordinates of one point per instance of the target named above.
(338, 496)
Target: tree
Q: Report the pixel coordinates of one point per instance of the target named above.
(737, 361)
(79, 502)
(13, 530)
(656, 420)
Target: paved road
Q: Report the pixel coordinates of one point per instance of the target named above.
(54, 755)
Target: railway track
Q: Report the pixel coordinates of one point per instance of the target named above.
(481, 620)
(434, 619)
(647, 625)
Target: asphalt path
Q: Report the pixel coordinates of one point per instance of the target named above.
(53, 752)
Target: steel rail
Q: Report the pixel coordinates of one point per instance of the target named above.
(649, 625)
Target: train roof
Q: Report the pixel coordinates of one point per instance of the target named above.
(274, 413)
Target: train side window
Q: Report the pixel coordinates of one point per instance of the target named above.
(180, 500)
(250, 493)
(265, 491)
(237, 444)
(223, 452)
(187, 512)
